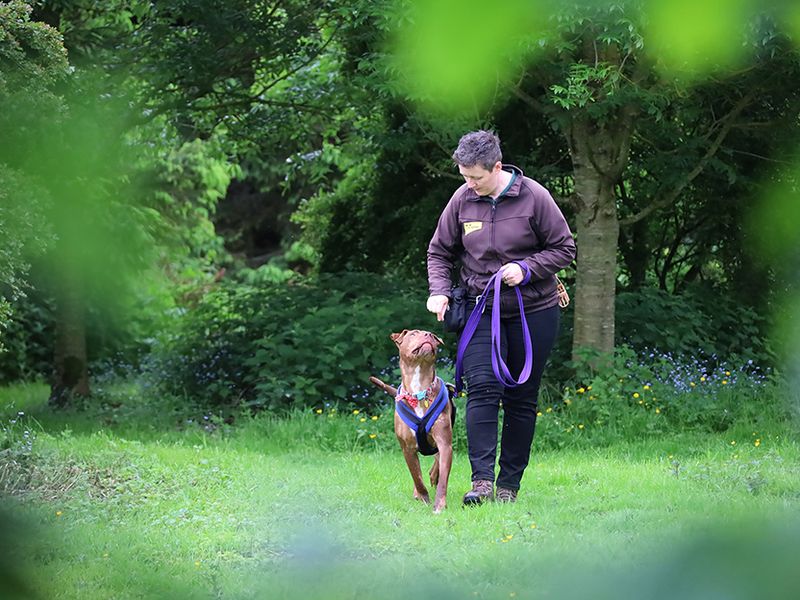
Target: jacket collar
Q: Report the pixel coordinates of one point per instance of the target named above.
(512, 192)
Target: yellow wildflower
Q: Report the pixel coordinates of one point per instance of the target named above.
(539, 414)
(549, 409)
(702, 379)
(588, 387)
(724, 382)
(733, 442)
(356, 411)
(646, 387)
(580, 390)
(318, 411)
(59, 513)
(635, 394)
(362, 420)
(692, 384)
(728, 373)
(580, 426)
(372, 436)
(757, 443)
(374, 417)
(658, 411)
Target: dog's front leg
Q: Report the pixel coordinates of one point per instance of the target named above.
(408, 444)
(412, 460)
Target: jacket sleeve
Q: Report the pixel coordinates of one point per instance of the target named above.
(444, 250)
(558, 245)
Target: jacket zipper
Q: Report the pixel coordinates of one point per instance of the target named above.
(494, 247)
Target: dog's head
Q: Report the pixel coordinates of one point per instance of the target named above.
(417, 345)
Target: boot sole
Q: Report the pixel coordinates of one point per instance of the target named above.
(476, 500)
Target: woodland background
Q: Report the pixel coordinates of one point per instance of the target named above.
(232, 200)
(213, 213)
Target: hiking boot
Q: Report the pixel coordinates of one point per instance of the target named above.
(506, 495)
(482, 491)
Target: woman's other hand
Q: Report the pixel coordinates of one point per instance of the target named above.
(437, 304)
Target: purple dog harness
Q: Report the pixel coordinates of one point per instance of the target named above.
(498, 365)
(422, 426)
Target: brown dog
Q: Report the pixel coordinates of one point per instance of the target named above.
(419, 391)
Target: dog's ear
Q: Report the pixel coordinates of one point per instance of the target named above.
(397, 338)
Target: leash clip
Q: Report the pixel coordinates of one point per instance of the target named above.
(478, 301)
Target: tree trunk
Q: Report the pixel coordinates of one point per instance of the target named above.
(599, 155)
(71, 375)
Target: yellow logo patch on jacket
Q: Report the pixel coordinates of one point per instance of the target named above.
(471, 226)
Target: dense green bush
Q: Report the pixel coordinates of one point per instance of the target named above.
(117, 333)
(636, 395)
(304, 343)
(694, 322)
(28, 340)
(293, 344)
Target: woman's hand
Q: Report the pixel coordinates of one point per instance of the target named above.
(512, 274)
(438, 304)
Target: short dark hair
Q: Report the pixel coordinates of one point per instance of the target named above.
(478, 148)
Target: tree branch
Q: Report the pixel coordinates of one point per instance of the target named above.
(527, 98)
(759, 156)
(434, 170)
(670, 197)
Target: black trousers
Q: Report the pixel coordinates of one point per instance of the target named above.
(485, 395)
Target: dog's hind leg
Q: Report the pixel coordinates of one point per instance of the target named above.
(434, 472)
(445, 457)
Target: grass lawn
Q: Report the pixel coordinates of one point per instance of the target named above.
(279, 509)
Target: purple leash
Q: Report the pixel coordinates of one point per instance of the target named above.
(498, 365)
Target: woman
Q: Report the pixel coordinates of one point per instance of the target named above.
(495, 221)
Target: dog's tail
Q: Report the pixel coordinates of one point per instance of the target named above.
(389, 389)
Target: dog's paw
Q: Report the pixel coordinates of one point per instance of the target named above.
(422, 497)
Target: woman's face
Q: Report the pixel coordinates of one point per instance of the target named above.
(480, 180)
